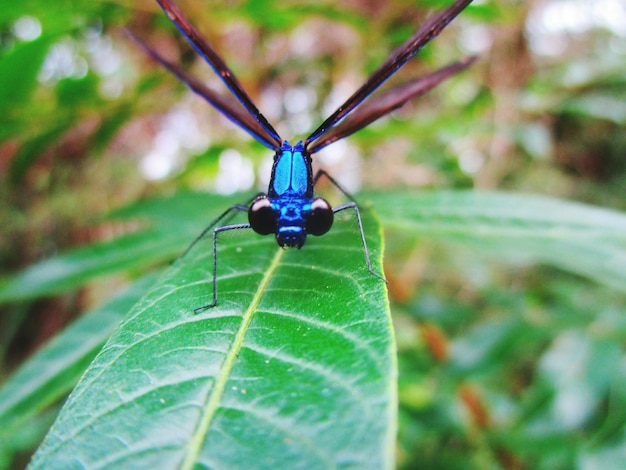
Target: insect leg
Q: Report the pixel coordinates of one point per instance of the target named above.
(228, 212)
(366, 253)
(350, 205)
(217, 231)
(321, 173)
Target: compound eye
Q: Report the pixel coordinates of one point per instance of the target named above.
(261, 216)
(321, 218)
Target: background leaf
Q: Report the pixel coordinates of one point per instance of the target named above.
(53, 371)
(27, 58)
(579, 238)
(161, 229)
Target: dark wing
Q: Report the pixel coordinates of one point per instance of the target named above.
(229, 108)
(221, 69)
(381, 105)
(404, 53)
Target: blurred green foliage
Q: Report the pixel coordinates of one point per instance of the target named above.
(506, 360)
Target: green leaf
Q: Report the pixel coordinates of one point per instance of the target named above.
(51, 373)
(18, 72)
(578, 238)
(109, 126)
(35, 147)
(168, 224)
(57, 17)
(295, 366)
(75, 268)
(579, 368)
(597, 105)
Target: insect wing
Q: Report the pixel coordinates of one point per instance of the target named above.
(404, 53)
(382, 105)
(231, 109)
(209, 54)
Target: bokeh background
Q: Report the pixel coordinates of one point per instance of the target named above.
(502, 364)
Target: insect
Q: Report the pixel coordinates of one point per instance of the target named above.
(290, 209)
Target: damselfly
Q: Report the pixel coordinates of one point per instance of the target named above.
(290, 209)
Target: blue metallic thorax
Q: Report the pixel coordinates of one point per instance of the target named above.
(291, 193)
(292, 176)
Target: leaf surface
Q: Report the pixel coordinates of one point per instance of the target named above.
(56, 367)
(578, 238)
(295, 366)
(165, 227)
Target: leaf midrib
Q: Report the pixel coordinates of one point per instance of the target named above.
(215, 396)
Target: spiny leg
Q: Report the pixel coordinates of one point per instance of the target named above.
(321, 173)
(350, 205)
(366, 253)
(231, 209)
(217, 231)
(226, 214)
